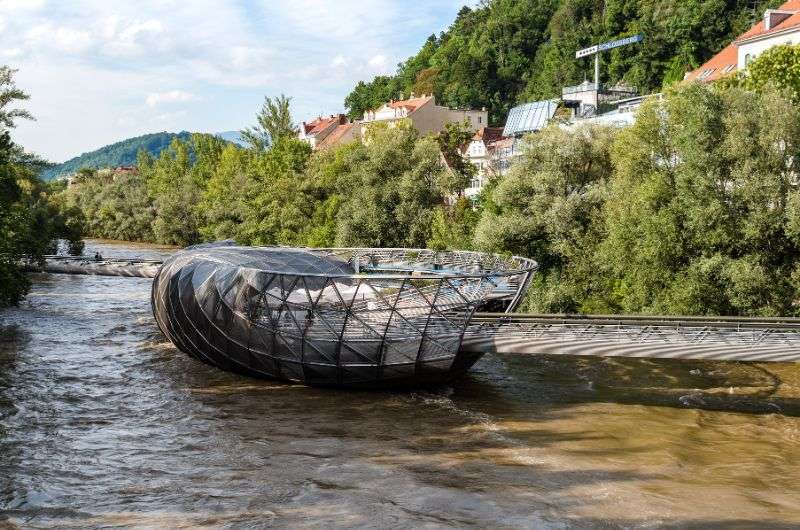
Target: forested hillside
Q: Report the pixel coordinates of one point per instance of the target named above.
(119, 154)
(505, 52)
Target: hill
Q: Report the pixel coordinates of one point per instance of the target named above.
(118, 154)
(506, 52)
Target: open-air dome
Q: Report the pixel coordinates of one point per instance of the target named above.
(331, 316)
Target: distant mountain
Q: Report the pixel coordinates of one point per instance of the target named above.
(232, 136)
(119, 154)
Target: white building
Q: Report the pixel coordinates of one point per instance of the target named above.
(314, 132)
(482, 152)
(777, 26)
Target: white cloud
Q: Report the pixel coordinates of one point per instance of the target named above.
(118, 69)
(20, 5)
(130, 37)
(170, 117)
(339, 61)
(63, 39)
(173, 96)
(377, 61)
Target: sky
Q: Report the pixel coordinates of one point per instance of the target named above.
(100, 71)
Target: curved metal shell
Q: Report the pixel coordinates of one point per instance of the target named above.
(365, 317)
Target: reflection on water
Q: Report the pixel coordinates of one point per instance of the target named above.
(104, 424)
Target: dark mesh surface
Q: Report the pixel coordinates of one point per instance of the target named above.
(330, 316)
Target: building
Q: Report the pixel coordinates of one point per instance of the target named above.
(530, 117)
(316, 131)
(776, 27)
(343, 133)
(482, 152)
(588, 100)
(423, 114)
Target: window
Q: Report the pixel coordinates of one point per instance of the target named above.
(480, 118)
(748, 59)
(728, 69)
(706, 73)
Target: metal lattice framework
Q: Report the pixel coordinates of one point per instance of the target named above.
(331, 316)
(722, 338)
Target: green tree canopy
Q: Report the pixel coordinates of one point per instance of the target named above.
(273, 123)
(778, 67)
(702, 211)
(505, 52)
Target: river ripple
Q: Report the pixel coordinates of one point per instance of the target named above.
(104, 424)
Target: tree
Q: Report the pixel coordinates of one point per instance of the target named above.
(549, 207)
(504, 52)
(274, 122)
(9, 94)
(15, 218)
(276, 211)
(779, 67)
(389, 189)
(701, 214)
(461, 171)
(368, 96)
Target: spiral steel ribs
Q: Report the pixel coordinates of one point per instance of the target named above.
(354, 317)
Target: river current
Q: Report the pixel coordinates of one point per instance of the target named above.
(104, 424)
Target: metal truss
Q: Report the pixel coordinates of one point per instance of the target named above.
(331, 316)
(726, 338)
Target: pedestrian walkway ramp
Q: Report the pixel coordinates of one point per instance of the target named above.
(705, 338)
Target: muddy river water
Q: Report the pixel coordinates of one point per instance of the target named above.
(104, 424)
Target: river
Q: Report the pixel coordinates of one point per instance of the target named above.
(104, 424)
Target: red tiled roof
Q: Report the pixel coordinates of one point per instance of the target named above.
(721, 64)
(725, 61)
(410, 104)
(335, 135)
(319, 125)
(488, 134)
(503, 142)
(759, 29)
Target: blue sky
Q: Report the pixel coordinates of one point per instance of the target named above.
(99, 71)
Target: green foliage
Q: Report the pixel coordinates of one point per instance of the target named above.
(549, 207)
(461, 171)
(505, 52)
(366, 96)
(392, 186)
(454, 227)
(700, 214)
(115, 207)
(30, 216)
(274, 123)
(778, 67)
(10, 94)
(694, 209)
(122, 153)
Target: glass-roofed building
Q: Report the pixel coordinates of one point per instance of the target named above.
(530, 117)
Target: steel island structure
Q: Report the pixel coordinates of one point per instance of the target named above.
(343, 317)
